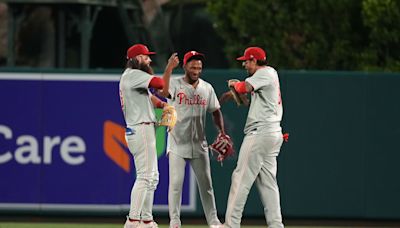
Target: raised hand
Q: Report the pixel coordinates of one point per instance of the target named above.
(173, 61)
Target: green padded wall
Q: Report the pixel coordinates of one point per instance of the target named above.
(343, 152)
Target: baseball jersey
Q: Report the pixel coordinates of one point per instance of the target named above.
(135, 97)
(188, 137)
(265, 113)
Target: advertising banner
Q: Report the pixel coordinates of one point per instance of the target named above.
(62, 146)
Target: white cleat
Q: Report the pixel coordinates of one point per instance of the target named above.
(217, 226)
(129, 224)
(151, 224)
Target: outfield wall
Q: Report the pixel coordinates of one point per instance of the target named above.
(61, 147)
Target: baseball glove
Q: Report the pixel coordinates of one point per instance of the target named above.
(168, 117)
(240, 99)
(223, 146)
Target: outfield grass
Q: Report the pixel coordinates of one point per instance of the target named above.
(58, 225)
(66, 225)
(75, 225)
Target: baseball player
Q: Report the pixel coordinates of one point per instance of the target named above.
(262, 142)
(192, 98)
(138, 108)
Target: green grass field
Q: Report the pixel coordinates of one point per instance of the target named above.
(75, 225)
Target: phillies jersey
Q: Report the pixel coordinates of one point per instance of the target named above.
(188, 137)
(265, 113)
(135, 97)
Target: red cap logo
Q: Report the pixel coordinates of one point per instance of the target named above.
(253, 53)
(191, 54)
(138, 49)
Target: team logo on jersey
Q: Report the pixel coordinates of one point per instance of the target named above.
(195, 100)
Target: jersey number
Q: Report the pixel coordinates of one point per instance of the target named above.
(121, 98)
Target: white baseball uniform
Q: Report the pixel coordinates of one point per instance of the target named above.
(187, 142)
(140, 121)
(258, 152)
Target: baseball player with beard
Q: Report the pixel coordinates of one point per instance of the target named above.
(138, 108)
(192, 98)
(262, 142)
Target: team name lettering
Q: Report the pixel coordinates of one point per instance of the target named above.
(195, 100)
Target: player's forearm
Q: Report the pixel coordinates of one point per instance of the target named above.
(219, 121)
(173, 62)
(243, 87)
(166, 77)
(157, 103)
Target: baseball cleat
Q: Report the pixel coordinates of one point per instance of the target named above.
(217, 226)
(151, 224)
(129, 224)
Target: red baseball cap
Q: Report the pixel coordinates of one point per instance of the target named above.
(191, 54)
(138, 49)
(253, 53)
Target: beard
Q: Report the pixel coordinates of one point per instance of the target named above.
(249, 74)
(135, 64)
(146, 68)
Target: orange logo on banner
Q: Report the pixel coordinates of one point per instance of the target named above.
(114, 145)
